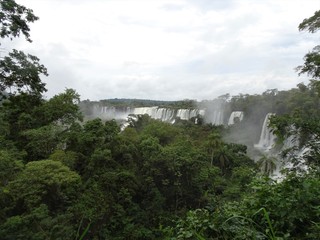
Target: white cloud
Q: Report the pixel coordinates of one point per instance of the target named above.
(169, 49)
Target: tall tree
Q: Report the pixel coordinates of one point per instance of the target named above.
(213, 143)
(304, 121)
(267, 164)
(14, 19)
(311, 64)
(19, 72)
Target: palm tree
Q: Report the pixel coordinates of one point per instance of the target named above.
(223, 157)
(213, 143)
(267, 164)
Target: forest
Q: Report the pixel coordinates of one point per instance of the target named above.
(63, 177)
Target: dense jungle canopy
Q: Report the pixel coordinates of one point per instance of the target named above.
(65, 178)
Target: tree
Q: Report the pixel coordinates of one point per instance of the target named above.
(61, 109)
(311, 24)
(312, 59)
(68, 158)
(303, 122)
(149, 147)
(267, 164)
(224, 159)
(14, 19)
(19, 72)
(18, 114)
(213, 143)
(311, 63)
(165, 132)
(39, 126)
(91, 137)
(36, 203)
(41, 142)
(9, 166)
(45, 182)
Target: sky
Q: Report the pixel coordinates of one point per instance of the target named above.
(169, 49)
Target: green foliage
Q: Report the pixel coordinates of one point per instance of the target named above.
(17, 113)
(286, 210)
(149, 147)
(152, 180)
(41, 142)
(9, 167)
(311, 24)
(68, 158)
(267, 164)
(36, 126)
(85, 140)
(44, 182)
(20, 72)
(36, 200)
(195, 226)
(301, 123)
(311, 64)
(292, 204)
(14, 19)
(240, 178)
(61, 109)
(223, 223)
(165, 132)
(38, 224)
(312, 59)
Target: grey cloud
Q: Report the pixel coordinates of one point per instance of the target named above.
(221, 60)
(206, 5)
(61, 68)
(173, 7)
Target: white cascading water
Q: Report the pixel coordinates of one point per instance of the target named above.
(213, 116)
(163, 114)
(218, 118)
(151, 111)
(106, 112)
(267, 138)
(235, 115)
(186, 114)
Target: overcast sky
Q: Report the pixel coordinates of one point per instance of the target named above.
(169, 49)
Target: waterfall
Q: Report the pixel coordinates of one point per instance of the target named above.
(186, 114)
(217, 118)
(163, 114)
(267, 138)
(107, 112)
(214, 117)
(234, 116)
(151, 111)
